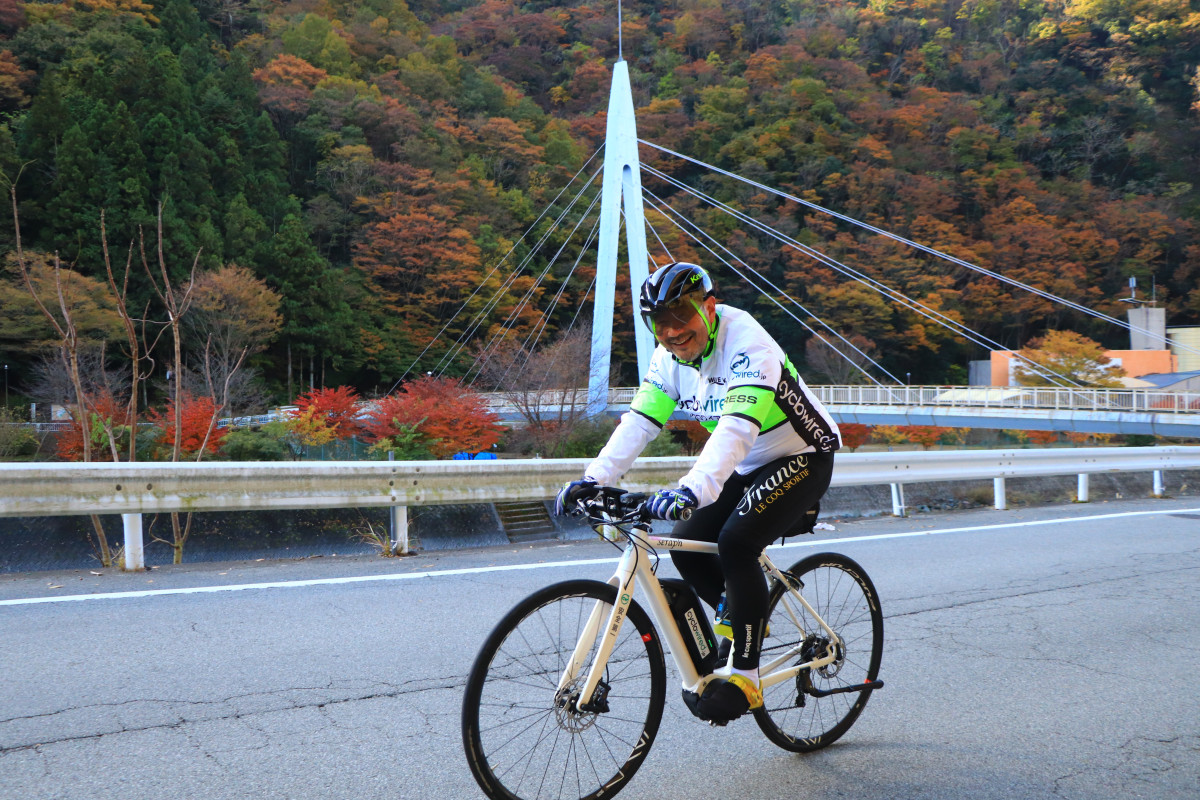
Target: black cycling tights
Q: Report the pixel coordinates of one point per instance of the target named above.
(752, 511)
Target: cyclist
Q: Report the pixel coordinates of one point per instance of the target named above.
(760, 476)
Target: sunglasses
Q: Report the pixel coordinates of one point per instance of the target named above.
(677, 314)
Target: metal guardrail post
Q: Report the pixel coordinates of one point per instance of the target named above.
(1000, 496)
(898, 509)
(398, 523)
(399, 520)
(1081, 494)
(135, 555)
(1158, 483)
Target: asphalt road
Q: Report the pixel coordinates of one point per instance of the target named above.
(1043, 653)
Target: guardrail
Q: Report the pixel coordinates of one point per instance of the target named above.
(131, 489)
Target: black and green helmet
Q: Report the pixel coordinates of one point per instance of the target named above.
(669, 285)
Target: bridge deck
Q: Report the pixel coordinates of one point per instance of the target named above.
(1122, 411)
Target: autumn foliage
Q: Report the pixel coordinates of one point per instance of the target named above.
(694, 434)
(925, 435)
(452, 417)
(197, 425)
(1043, 438)
(335, 409)
(104, 412)
(375, 162)
(854, 435)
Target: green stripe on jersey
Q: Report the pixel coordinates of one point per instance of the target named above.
(753, 402)
(654, 403)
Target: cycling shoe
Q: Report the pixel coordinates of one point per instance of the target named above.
(724, 700)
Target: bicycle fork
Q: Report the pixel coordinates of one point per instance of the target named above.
(588, 699)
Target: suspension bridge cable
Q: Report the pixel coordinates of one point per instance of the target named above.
(877, 286)
(481, 315)
(661, 243)
(893, 294)
(764, 293)
(545, 321)
(496, 267)
(540, 327)
(886, 291)
(514, 315)
(529, 351)
(574, 319)
(743, 276)
(788, 311)
(924, 248)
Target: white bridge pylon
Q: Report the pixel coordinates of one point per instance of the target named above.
(621, 186)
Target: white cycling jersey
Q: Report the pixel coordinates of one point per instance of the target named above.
(744, 390)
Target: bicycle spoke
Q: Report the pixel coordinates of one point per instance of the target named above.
(522, 721)
(841, 595)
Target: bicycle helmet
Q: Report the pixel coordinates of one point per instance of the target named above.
(670, 284)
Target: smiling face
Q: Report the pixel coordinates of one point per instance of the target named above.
(683, 330)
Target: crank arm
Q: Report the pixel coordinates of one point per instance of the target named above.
(854, 687)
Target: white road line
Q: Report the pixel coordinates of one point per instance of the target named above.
(558, 564)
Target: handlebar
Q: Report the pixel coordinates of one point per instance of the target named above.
(611, 504)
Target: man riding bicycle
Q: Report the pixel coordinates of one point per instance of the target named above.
(760, 476)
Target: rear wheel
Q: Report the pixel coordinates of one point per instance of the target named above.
(528, 740)
(838, 589)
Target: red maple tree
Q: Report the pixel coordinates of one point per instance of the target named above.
(338, 408)
(1043, 438)
(925, 435)
(854, 435)
(196, 423)
(450, 415)
(106, 413)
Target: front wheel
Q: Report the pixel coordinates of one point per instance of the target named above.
(527, 739)
(793, 715)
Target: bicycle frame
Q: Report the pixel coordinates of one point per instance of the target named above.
(634, 567)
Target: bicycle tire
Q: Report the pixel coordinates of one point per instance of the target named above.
(523, 745)
(840, 591)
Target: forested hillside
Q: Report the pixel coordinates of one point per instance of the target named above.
(373, 161)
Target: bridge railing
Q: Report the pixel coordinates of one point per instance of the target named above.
(1003, 397)
(131, 489)
(1008, 397)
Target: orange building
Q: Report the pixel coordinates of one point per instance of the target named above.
(1135, 363)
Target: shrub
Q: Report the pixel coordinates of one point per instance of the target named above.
(197, 426)
(1140, 440)
(588, 438)
(451, 417)
(406, 444)
(888, 434)
(15, 440)
(663, 445)
(252, 445)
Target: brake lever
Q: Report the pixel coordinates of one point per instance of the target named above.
(642, 515)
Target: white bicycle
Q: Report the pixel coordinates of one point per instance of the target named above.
(565, 697)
